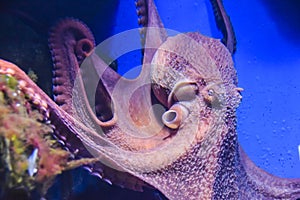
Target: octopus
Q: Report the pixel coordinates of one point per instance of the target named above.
(172, 128)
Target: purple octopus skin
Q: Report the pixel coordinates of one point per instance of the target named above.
(191, 150)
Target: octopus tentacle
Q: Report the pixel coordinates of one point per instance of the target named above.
(71, 42)
(258, 184)
(139, 101)
(154, 36)
(120, 146)
(63, 42)
(123, 134)
(67, 129)
(224, 24)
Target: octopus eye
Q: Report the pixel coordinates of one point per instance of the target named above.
(183, 91)
(174, 116)
(211, 97)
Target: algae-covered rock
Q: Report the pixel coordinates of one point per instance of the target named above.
(30, 157)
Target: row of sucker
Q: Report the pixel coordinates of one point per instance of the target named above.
(64, 75)
(142, 13)
(62, 89)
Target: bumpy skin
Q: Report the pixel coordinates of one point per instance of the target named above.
(192, 153)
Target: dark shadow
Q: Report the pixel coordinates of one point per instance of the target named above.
(25, 29)
(78, 184)
(286, 16)
(41, 15)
